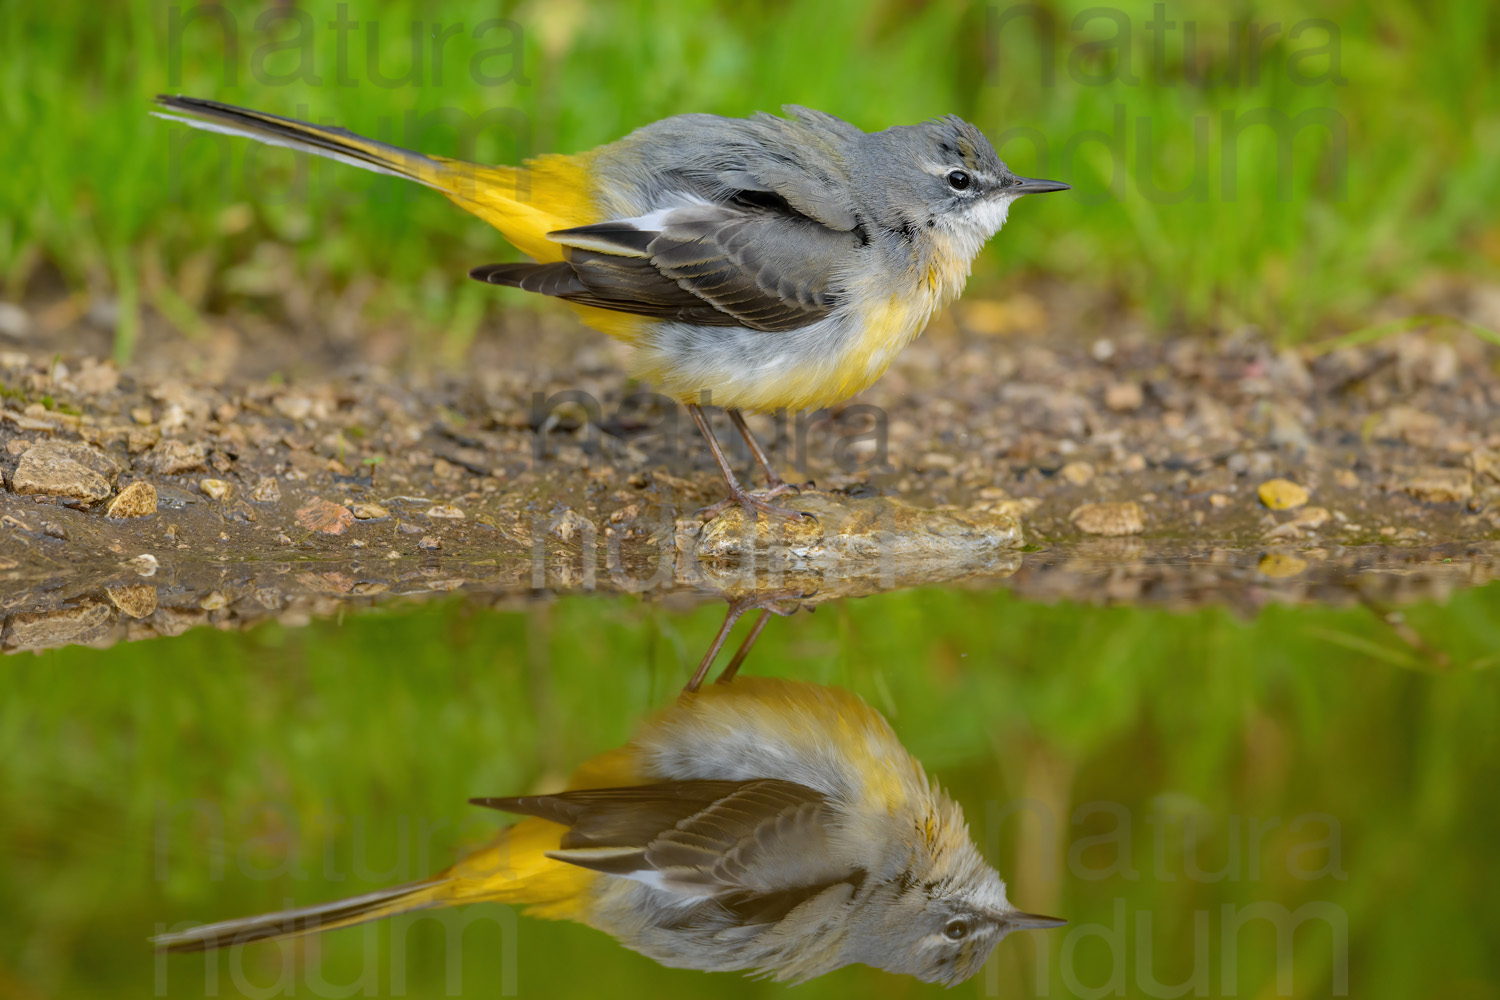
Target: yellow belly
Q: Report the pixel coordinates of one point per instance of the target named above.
(890, 322)
(887, 328)
(809, 375)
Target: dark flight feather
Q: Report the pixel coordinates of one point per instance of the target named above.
(747, 839)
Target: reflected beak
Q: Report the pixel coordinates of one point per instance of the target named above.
(1027, 185)
(1015, 920)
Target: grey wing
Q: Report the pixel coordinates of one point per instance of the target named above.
(761, 846)
(805, 169)
(715, 265)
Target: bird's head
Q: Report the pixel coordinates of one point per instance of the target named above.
(944, 916)
(941, 175)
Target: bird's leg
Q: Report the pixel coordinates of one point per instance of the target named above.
(767, 604)
(730, 617)
(775, 483)
(749, 502)
(745, 644)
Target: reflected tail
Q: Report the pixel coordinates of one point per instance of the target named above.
(514, 869)
(305, 920)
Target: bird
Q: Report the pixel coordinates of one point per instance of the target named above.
(756, 264)
(763, 825)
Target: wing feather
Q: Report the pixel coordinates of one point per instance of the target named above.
(750, 842)
(714, 265)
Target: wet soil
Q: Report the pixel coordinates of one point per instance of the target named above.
(293, 472)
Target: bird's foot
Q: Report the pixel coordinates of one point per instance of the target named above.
(769, 602)
(782, 603)
(776, 486)
(756, 502)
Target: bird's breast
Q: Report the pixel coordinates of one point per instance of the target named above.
(880, 310)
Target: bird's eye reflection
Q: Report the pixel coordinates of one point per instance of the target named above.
(739, 829)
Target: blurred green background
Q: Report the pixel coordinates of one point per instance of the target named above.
(315, 749)
(1376, 176)
(315, 763)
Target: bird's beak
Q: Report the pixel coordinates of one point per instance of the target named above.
(1016, 920)
(1027, 185)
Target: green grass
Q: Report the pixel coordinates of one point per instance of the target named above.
(322, 761)
(115, 199)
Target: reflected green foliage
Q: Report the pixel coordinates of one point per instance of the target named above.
(1308, 757)
(1296, 236)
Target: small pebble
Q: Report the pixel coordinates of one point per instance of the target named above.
(1311, 518)
(936, 460)
(1486, 464)
(444, 510)
(1124, 397)
(14, 321)
(569, 525)
(1110, 518)
(430, 543)
(136, 500)
(172, 458)
(268, 490)
(325, 516)
(1280, 565)
(139, 439)
(134, 599)
(1077, 473)
(1017, 508)
(1439, 485)
(214, 489)
(1281, 494)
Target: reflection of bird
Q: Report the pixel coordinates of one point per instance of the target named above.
(758, 264)
(761, 825)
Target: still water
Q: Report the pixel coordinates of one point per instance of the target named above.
(1289, 799)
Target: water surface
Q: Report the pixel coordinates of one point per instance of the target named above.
(1182, 785)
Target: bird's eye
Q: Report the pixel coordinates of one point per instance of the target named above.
(958, 179)
(956, 930)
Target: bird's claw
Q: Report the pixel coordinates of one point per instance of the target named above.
(757, 503)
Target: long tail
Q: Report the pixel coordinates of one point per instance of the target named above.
(306, 920)
(524, 203)
(513, 869)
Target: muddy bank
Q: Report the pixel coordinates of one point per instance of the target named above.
(1005, 445)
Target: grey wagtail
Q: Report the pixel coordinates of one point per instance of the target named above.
(759, 263)
(763, 825)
